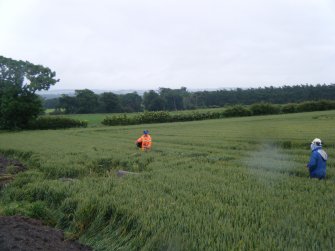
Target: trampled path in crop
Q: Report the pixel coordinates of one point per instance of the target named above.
(225, 184)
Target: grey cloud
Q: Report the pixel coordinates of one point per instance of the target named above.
(125, 44)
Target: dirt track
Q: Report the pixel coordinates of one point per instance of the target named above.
(26, 234)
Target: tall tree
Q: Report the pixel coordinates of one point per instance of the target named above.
(173, 98)
(67, 103)
(19, 80)
(131, 102)
(86, 100)
(109, 102)
(152, 101)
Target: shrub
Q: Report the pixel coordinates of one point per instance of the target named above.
(231, 111)
(307, 106)
(159, 117)
(237, 111)
(43, 123)
(321, 105)
(264, 109)
(153, 117)
(117, 120)
(289, 108)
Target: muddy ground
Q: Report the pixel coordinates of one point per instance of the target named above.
(26, 234)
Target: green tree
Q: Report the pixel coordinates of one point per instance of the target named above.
(19, 80)
(51, 103)
(67, 103)
(109, 102)
(131, 102)
(152, 101)
(173, 98)
(86, 101)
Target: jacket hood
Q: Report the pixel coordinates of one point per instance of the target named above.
(323, 154)
(315, 147)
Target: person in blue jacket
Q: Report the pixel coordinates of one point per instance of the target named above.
(318, 159)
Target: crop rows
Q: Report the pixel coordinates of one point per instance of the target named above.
(226, 184)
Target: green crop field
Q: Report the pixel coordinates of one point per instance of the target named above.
(225, 184)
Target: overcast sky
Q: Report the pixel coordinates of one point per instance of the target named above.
(147, 44)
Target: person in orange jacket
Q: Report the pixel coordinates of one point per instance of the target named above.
(144, 142)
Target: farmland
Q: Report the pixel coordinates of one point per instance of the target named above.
(225, 184)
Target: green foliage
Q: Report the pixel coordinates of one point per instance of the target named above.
(48, 122)
(310, 106)
(130, 102)
(18, 111)
(108, 102)
(17, 154)
(68, 104)
(51, 103)
(159, 117)
(167, 99)
(264, 109)
(289, 108)
(228, 184)
(19, 80)
(37, 210)
(152, 101)
(152, 117)
(173, 98)
(275, 95)
(237, 111)
(68, 209)
(86, 101)
(231, 111)
(118, 120)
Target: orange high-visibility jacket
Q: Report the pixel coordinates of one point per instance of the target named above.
(146, 141)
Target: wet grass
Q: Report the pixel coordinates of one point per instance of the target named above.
(226, 184)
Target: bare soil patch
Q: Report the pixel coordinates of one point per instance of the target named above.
(23, 233)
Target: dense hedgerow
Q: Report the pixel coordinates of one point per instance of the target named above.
(237, 111)
(264, 109)
(153, 117)
(231, 111)
(310, 106)
(159, 117)
(43, 123)
(289, 108)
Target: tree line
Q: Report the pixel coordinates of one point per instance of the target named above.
(166, 99)
(20, 106)
(86, 101)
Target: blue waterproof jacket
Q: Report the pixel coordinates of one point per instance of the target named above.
(317, 163)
